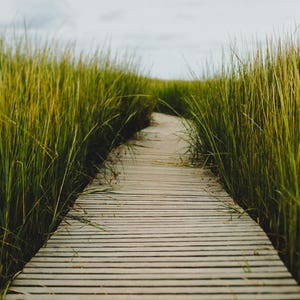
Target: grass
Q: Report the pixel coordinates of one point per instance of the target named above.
(170, 95)
(60, 114)
(246, 123)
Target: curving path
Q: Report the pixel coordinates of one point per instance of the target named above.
(152, 227)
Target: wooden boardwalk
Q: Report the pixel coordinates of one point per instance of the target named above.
(156, 230)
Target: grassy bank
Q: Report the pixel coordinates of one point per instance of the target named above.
(247, 124)
(60, 114)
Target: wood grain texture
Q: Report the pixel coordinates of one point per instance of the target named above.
(151, 227)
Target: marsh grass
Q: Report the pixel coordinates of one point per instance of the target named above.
(60, 114)
(170, 94)
(248, 123)
(247, 126)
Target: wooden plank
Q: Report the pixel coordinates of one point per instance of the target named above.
(168, 229)
(160, 276)
(68, 236)
(92, 248)
(160, 241)
(141, 213)
(160, 244)
(153, 282)
(103, 231)
(194, 253)
(232, 270)
(161, 290)
(205, 225)
(147, 265)
(133, 207)
(238, 258)
(278, 296)
(199, 223)
(158, 202)
(161, 230)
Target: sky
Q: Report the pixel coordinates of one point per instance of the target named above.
(170, 37)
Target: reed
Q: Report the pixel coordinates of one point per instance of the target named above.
(60, 114)
(247, 124)
(170, 94)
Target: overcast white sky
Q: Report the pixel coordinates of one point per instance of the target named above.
(168, 35)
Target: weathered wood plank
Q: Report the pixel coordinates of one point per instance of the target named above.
(160, 230)
(152, 282)
(162, 276)
(278, 296)
(147, 265)
(154, 290)
(161, 244)
(104, 230)
(159, 237)
(238, 258)
(156, 240)
(91, 248)
(203, 224)
(237, 270)
(69, 252)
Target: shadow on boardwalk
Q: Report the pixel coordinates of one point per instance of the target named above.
(157, 229)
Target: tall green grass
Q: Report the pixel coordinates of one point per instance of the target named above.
(60, 114)
(247, 124)
(170, 94)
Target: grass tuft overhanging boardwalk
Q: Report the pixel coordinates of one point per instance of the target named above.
(151, 227)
